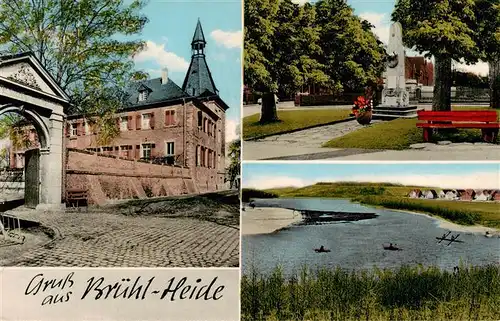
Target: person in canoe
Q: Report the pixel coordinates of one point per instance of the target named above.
(321, 250)
(391, 247)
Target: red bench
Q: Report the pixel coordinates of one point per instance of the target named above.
(486, 120)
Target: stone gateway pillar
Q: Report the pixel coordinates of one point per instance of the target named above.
(27, 89)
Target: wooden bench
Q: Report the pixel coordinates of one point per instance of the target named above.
(486, 120)
(75, 196)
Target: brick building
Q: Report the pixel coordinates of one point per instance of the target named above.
(163, 122)
(420, 69)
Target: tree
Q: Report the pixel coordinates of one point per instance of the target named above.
(12, 127)
(488, 38)
(352, 55)
(83, 44)
(235, 155)
(258, 41)
(443, 29)
(288, 46)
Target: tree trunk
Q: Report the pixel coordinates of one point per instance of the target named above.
(268, 112)
(442, 84)
(494, 84)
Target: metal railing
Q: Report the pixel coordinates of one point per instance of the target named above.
(10, 227)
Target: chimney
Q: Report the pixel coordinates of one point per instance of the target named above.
(164, 76)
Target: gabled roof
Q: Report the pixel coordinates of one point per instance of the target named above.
(30, 58)
(158, 92)
(198, 34)
(143, 87)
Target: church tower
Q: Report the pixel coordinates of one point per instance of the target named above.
(198, 81)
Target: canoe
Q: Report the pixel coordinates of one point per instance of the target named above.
(321, 251)
(391, 248)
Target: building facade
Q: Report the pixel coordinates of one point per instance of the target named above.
(162, 122)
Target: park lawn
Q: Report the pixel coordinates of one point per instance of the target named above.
(399, 134)
(291, 120)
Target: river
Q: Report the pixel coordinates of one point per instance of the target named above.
(358, 245)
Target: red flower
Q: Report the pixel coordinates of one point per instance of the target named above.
(362, 105)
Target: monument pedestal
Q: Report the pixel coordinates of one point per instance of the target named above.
(390, 112)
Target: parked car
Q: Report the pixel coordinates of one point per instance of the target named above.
(259, 101)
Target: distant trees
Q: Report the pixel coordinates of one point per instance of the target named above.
(288, 46)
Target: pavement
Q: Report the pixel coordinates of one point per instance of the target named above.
(100, 238)
(433, 152)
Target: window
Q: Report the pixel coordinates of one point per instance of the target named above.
(169, 149)
(146, 151)
(124, 124)
(107, 149)
(74, 129)
(143, 95)
(204, 125)
(200, 119)
(146, 118)
(125, 151)
(169, 117)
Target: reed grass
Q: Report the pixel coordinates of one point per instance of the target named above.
(408, 293)
(479, 213)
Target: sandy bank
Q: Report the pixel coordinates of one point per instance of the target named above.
(264, 220)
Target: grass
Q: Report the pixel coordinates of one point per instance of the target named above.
(346, 190)
(399, 134)
(408, 293)
(395, 197)
(465, 213)
(291, 120)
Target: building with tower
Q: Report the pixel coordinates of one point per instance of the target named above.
(163, 123)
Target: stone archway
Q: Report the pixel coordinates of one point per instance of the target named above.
(27, 89)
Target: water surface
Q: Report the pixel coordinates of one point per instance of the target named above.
(358, 245)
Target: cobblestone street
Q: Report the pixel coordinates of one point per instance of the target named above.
(103, 239)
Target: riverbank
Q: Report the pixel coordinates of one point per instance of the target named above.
(448, 225)
(265, 220)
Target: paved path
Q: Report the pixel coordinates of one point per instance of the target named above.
(100, 239)
(308, 141)
(453, 152)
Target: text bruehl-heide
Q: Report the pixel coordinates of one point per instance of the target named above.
(137, 289)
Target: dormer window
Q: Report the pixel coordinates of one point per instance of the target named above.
(143, 95)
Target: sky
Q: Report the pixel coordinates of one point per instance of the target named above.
(454, 175)
(378, 13)
(168, 36)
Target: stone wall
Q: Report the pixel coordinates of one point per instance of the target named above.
(110, 178)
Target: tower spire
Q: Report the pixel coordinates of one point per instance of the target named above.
(198, 43)
(198, 80)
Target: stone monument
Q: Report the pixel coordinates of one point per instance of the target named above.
(395, 97)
